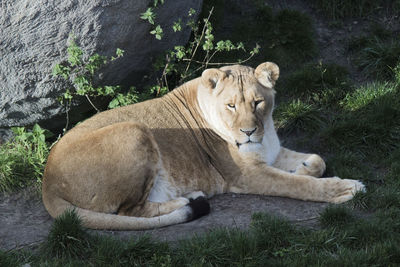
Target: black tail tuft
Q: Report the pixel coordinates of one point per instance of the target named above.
(199, 206)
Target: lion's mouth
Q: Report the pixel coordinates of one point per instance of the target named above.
(239, 144)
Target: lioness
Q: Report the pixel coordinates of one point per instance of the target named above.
(154, 163)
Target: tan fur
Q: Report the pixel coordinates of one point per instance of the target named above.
(192, 139)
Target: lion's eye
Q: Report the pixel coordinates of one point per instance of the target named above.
(257, 102)
(231, 106)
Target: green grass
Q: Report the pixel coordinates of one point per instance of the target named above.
(67, 238)
(298, 116)
(336, 216)
(344, 239)
(379, 59)
(22, 159)
(377, 53)
(370, 119)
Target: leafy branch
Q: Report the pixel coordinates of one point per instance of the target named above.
(185, 62)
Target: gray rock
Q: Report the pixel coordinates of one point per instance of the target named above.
(34, 38)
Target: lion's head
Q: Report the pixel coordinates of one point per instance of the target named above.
(237, 101)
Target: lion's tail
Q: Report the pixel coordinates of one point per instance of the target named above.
(97, 220)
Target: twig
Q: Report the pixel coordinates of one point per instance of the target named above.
(67, 108)
(24, 246)
(91, 103)
(220, 63)
(209, 59)
(164, 74)
(198, 43)
(306, 219)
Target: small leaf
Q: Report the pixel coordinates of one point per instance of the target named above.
(119, 52)
(148, 15)
(191, 12)
(177, 27)
(157, 32)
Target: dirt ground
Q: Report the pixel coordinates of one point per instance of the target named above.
(24, 222)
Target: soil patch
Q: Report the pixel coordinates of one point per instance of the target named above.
(25, 222)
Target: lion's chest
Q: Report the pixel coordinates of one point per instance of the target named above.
(270, 143)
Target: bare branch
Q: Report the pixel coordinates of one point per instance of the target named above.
(198, 43)
(91, 103)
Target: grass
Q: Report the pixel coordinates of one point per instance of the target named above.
(22, 159)
(376, 54)
(370, 119)
(378, 59)
(344, 239)
(67, 238)
(336, 216)
(298, 116)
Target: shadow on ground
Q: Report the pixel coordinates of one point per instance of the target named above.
(25, 222)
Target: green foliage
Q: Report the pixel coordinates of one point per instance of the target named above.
(272, 234)
(349, 165)
(185, 62)
(336, 216)
(298, 116)
(67, 237)
(379, 59)
(376, 54)
(80, 70)
(216, 248)
(144, 251)
(14, 258)
(374, 122)
(345, 240)
(22, 159)
(396, 71)
(367, 95)
(157, 32)
(130, 97)
(149, 15)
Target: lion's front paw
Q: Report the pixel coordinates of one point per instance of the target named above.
(342, 190)
(314, 165)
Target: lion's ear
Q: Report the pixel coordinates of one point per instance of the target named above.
(267, 73)
(210, 77)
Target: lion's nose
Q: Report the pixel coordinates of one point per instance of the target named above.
(248, 132)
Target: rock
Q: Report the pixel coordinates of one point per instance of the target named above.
(34, 38)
